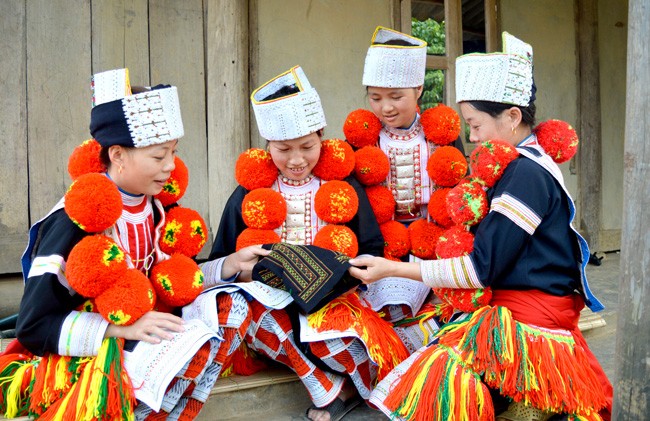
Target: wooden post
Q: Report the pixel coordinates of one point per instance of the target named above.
(228, 91)
(632, 395)
(590, 151)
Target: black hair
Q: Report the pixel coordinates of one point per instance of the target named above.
(494, 109)
(284, 91)
(104, 158)
(400, 42)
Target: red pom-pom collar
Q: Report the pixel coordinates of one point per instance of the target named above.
(558, 138)
(336, 202)
(441, 124)
(93, 202)
(336, 160)
(176, 184)
(255, 169)
(361, 128)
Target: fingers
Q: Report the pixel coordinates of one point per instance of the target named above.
(362, 261)
(154, 327)
(361, 274)
(258, 250)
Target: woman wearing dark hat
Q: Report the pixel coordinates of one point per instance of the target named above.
(298, 195)
(525, 346)
(87, 272)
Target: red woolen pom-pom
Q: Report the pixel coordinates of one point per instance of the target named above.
(424, 237)
(94, 264)
(446, 166)
(382, 203)
(437, 208)
(396, 240)
(455, 242)
(336, 202)
(177, 281)
(490, 159)
(337, 238)
(371, 166)
(441, 124)
(128, 299)
(176, 184)
(558, 138)
(184, 232)
(467, 203)
(253, 237)
(85, 159)
(255, 169)
(361, 128)
(93, 202)
(264, 208)
(336, 160)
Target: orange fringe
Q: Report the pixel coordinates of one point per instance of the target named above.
(347, 311)
(438, 386)
(545, 369)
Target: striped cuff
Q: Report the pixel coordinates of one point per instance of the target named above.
(457, 272)
(53, 264)
(82, 334)
(516, 211)
(212, 272)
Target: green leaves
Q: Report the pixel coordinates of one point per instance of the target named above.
(432, 32)
(434, 80)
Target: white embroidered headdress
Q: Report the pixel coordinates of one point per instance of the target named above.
(394, 66)
(497, 77)
(120, 117)
(287, 107)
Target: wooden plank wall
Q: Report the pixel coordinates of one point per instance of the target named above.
(50, 49)
(14, 210)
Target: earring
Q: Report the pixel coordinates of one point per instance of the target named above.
(119, 170)
(514, 130)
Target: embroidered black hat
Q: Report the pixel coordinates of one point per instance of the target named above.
(149, 116)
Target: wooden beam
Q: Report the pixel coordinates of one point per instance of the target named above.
(491, 31)
(228, 91)
(405, 16)
(632, 397)
(437, 62)
(454, 47)
(590, 151)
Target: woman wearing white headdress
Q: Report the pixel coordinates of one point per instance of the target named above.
(299, 192)
(525, 346)
(104, 345)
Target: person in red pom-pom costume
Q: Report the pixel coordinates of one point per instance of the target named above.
(99, 242)
(528, 252)
(325, 207)
(393, 77)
